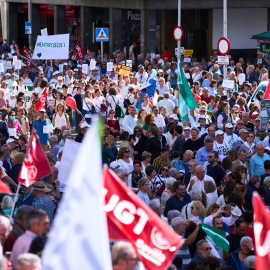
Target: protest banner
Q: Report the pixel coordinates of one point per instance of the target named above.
(28, 55)
(78, 50)
(52, 47)
(123, 70)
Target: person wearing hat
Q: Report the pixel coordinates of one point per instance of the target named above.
(221, 145)
(59, 84)
(229, 136)
(41, 201)
(54, 79)
(233, 99)
(84, 126)
(94, 74)
(12, 83)
(242, 138)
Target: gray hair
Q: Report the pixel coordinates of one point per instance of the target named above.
(66, 133)
(254, 179)
(120, 250)
(194, 128)
(154, 204)
(5, 222)
(245, 238)
(249, 262)
(201, 242)
(191, 154)
(170, 181)
(22, 212)
(195, 161)
(173, 214)
(266, 181)
(173, 172)
(196, 195)
(153, 131)
(201, 167)
(177, 221)
(28, 259)
(145, 155)
(208, 140)
(4, 147)
(54, 139)
(34, 216)
(7, 202)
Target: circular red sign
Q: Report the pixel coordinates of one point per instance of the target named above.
(223, 46)
(178, 33)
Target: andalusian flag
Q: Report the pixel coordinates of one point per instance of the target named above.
(186, 100)
(217, 235)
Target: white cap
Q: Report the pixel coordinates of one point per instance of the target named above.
(219, 132)
(7, 74)
(75, 69)
(79, 65)
(84, 124)
(59, 78)
(10, 140)
(65, 64)
(160, 70)
(174, 116)
(42, 110)
(12, 94)
(187, 128)
(197, 125)
(56, 72)
(202, 116)
(40, 68)
(228, 125)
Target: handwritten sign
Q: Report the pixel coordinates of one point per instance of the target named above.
(123, 70)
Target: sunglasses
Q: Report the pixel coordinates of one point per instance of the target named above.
(254, 85)
(165, 170)
(137, 131)
(107, 129)
(243, 172)
(250, 136)
(17, 146)
(127, 151)
(208, 248)
(210, 157)
(240, 124)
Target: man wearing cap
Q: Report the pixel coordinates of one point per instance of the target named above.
(59, 84)
(242, 138)
(80, 136)
(12, 83)
(229, 136)
(94, 74)
(41, 201)
(39, 125)
(166, 102)
(256, 162)
(233, 99)
(221, 145)
(54, 79)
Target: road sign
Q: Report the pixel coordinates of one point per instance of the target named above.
(223, 60)
(223, 46)
(177, 33)
(182, 49)
(188, 52)
(28, 28)
(102, 34)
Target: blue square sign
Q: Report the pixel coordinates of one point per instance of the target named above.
(28, 28)
(102, 34)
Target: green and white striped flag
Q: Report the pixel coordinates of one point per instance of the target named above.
(186, 100)
(217, 235)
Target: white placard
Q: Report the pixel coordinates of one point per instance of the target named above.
(168, 71)
(14, 60)
(85, 68)
(153, 56)
(47, 129)
(241, 78)
(92, 64)
(129, 63)
(228, 84)
(2, 69)
(109, 66)
(52, 47)
(223, 60)
(7, 65)
(61, 67)
(187, 60)
(18, 64)
(44, 32)
(187, 75)
(12, 132)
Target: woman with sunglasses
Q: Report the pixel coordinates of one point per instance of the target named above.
(124, 137)
(23, 120)
(249, 146)
(14, 124)
(161, 177)
(113, 124)
(125, 162)
(138, 141)
(242, 170)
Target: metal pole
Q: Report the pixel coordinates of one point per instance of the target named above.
(179, 24)
(30, 20)
(225, 31)
(101, 51)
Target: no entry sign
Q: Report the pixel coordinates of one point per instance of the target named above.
(223, 46)
(177, 33)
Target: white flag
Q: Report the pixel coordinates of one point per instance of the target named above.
(79, 236)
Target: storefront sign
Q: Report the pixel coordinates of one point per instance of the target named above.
(188, 52)
(265, 114)
(123, 70)
(134, 16)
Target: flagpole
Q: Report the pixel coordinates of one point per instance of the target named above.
(15, 199)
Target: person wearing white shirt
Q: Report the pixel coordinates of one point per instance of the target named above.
(197, 182)
(131, 120)
(159, 118)
(141, 75)
(229, 136)
(220, 145)
(98, 100)
(123, 87)
(94, 74)
(59, 84)
(166, 102)
(162, 87)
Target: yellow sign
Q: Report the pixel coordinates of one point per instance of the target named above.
(188, 52)
(123, 70)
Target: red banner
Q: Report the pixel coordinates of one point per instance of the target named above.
(35, 164)
(267, 91)
(261, 233)
(16, 48)
(89, 54)
(129, 218)
(41, 102)
(4, 188)
(78, 50)
(28, 55)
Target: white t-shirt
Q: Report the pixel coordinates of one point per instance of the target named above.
(86, 107)
(123, 92)
(114, 102)
(60, 121)
(222, 149)
(160, 121)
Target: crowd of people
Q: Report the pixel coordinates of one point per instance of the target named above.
(199, 171)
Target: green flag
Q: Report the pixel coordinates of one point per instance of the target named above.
(186, 100)
(217, 235)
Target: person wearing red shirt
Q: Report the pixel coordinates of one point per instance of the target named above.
(166, 53)
(205, 97)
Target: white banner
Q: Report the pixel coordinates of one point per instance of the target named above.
(52, 47)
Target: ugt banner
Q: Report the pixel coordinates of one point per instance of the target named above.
(52, 47)
(131, 219)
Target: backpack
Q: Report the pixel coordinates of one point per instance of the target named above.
(127, 102)
(66, 116)
(117, 109)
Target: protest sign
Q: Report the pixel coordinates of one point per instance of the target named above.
(129, 63)
(228, 84)
(85, 68)
(265, 114)
(109, 66)
(18, 64)
(44, 32)
(123, 70)
(61, 67)
(2, 69)
(52, 47)
(28, 55)
(92, 64)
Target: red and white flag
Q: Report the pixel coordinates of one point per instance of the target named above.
(78, 50)
(16, 49)
(89, 54)
(267, 91)
(129, 218)
(35, 164)
(28, 55)
(41, 101)
(4, 188)
(261, 233)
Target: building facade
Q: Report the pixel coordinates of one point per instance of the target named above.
(148, 22)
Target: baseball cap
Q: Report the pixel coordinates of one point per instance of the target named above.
(83, 125)
(160, 70)
(202, 116)
(219, 132)
(7, 74)
(10, 140)
(174, 116)
(254, 115)
(42, 110)
(247, 84)
(75, 69)
(258, 119)
(187, 128)
(243, 130)
(59, 78)
(228, 125)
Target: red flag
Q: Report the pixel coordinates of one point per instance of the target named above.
(35, 164)
(261, 233)
(79, 52)
(267, 91)
(28, 55)
(129, 218)
(4, 188)
(16, 49)
(89, 54)
(41, 102)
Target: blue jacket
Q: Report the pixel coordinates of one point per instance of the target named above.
(234, 260)
(4, 129)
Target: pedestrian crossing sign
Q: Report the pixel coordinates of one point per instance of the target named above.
(102, 34)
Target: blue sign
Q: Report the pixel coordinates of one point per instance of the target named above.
(28, 28)
(102, 34)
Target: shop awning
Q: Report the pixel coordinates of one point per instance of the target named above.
(262, 36)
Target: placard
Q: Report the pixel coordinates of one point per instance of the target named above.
(153, 56)
(2, 69)
(7, 65)
(92, 64)
(241, 78)
(109, 66)
(129, 63)
(123, 70)
(44, 32)
(47, 129)
(61, 67)
(85, 68)
(265, 114)
(18, 64)
(228, 84)
(12, 132)
(223, 60)
(187, 60)
(14, 59)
